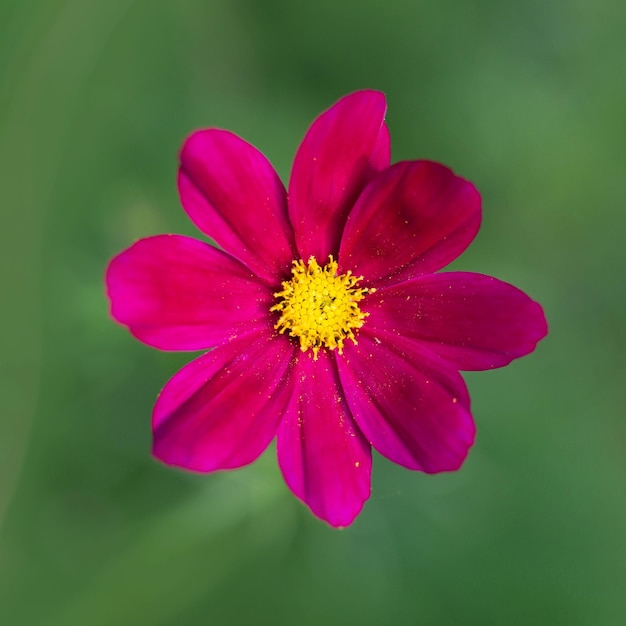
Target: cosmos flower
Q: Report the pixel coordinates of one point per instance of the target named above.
(329, 328)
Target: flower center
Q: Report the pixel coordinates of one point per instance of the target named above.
(319, 307)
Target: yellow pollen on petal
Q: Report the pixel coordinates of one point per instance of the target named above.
(319, 307)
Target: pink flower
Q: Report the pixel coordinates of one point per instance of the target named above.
(331, 330)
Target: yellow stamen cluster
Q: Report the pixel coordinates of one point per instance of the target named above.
(319, 307)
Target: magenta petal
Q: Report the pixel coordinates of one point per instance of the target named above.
(222, 410)
(324, 458)
(476, 322)
(345, 146)
(232, 193)
(178, 293)
(412, 407)
(413, 218)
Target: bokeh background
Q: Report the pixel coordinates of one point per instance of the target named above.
(527, 99)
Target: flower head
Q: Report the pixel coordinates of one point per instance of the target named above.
(330, 329)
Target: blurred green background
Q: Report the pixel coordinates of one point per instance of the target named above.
(527, 99)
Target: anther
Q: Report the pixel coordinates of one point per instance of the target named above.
(319, 307)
